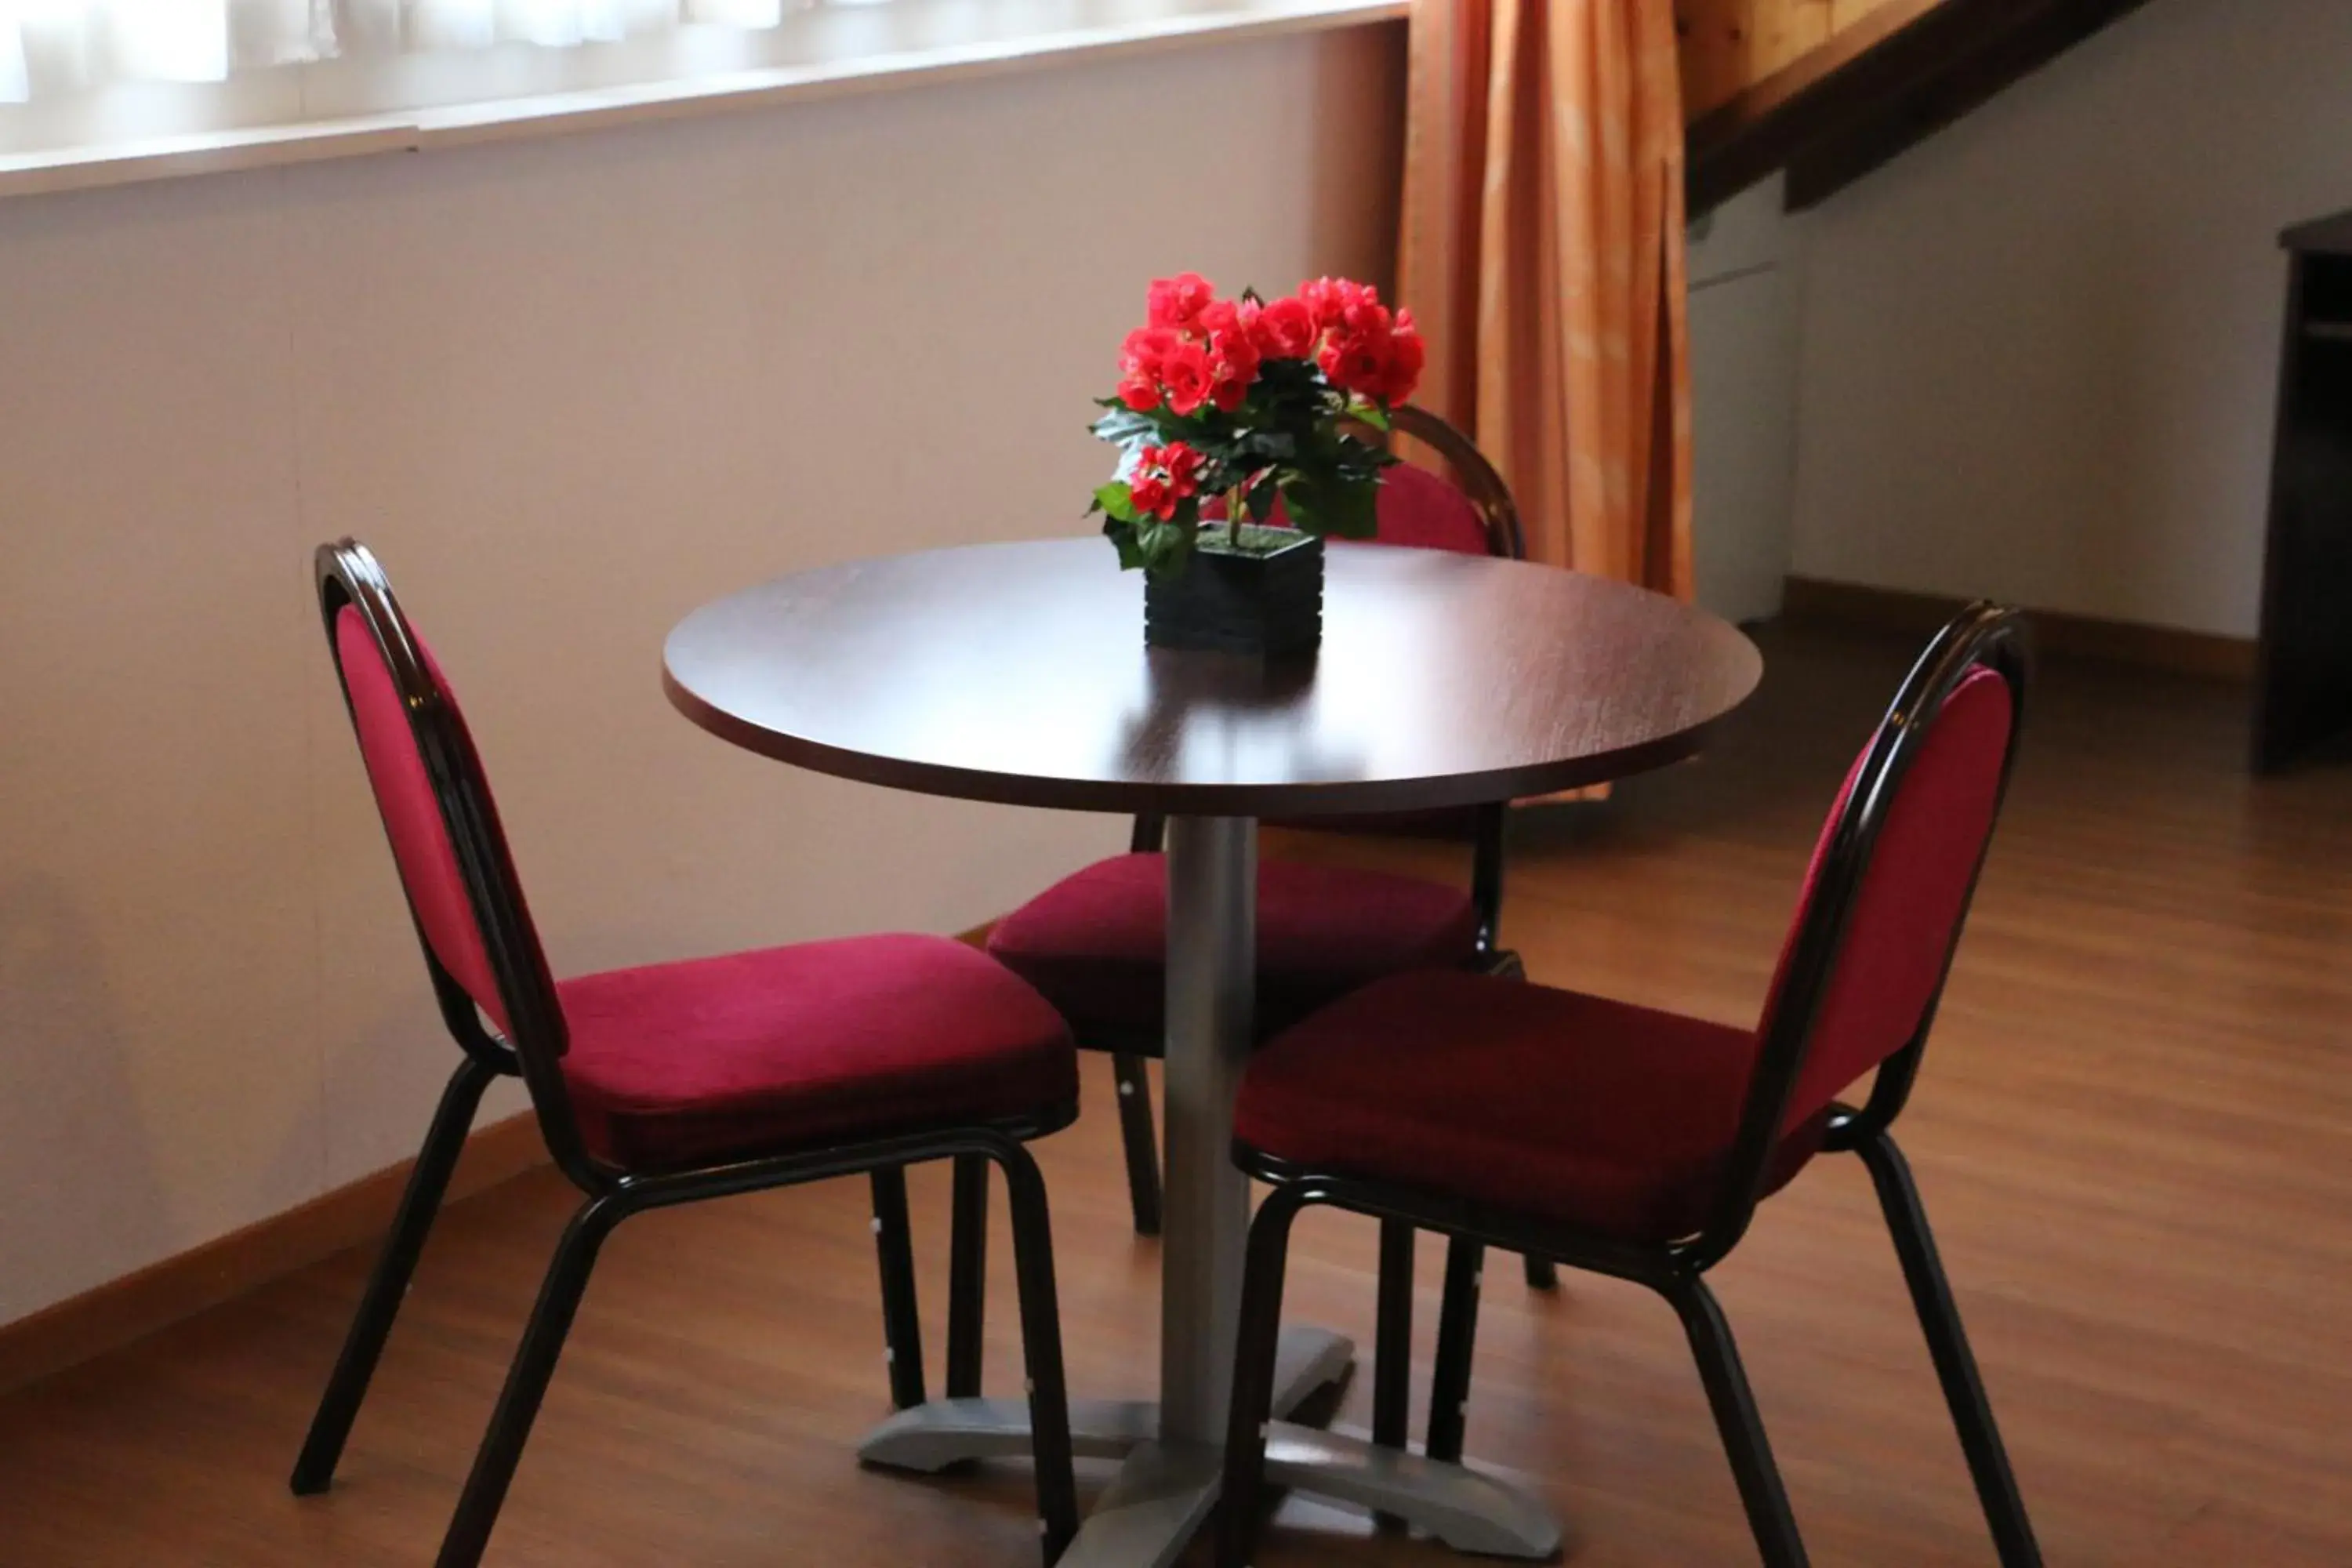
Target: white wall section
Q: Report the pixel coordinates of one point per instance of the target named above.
(569, 390)
(2039, 351)
(1746, 267)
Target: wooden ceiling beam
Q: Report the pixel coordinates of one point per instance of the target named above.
(1903, 72)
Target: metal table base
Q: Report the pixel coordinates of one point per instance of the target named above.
(1173, 1450)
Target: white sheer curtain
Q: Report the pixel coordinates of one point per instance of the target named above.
(56, 48)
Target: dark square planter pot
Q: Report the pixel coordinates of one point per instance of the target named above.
(1228, 600)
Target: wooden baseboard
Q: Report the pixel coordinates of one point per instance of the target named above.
(135, 1305)
(2079, 637)
(115, 1314)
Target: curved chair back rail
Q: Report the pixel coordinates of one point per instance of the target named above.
(454, 868)
(1858, 997)
(1478, 478)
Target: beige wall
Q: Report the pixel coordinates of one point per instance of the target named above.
(568, 389)
(1746, 269)
(2039, 352)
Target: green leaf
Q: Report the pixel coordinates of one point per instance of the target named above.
(1158, 545)
(1269, 446)
(1371, 413)
(1164, 548)
(1123, 426)
(1122, 537)
(1261, 498)
(1348, 508)
(1355, 510)
(1117, 500)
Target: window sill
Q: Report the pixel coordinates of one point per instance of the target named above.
(816, 54)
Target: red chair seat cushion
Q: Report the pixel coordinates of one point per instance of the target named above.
(1096, 942)
(791, 1048)
(1588, 1113)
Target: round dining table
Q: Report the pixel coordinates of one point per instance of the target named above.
(1017, 673)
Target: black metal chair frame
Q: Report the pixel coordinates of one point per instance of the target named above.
(347, 574)
(1983, 635)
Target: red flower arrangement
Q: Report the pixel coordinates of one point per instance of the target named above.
(1257, 401)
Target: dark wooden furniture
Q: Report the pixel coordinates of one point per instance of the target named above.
(1017, 673)
(1507, 1114)
(673, 1083)
(2304, 661)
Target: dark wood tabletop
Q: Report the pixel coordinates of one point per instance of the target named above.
(1017, 673)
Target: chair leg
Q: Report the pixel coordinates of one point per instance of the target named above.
(534, 1363)
(1735, 1417)
(1142, 1139)
(902, 1324)
(1392, 1347)
(1543, 1274)
(428, 1183)
(1041, 1345)
(1251, 1404)
(966, 1275)
(1947, 1343)
(1457, 1335)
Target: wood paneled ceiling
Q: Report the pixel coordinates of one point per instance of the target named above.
(1830, 89)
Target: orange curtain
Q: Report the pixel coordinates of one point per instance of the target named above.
(1543, 254)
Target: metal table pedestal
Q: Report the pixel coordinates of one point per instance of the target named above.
(1172, 1452)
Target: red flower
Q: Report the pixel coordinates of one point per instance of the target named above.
(1177, 302)
(1335, 302)
(1140, 355)
(1139, 360)
(1369, 354)
(1164, 475)
(1284, 328)
(1407, 355)
(1151, 496)
(1232, 352)
(1180, 462)
(1231, 388)
(1355, 365)
(1186, 377)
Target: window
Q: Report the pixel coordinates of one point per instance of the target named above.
(103, 91)
(61, 48)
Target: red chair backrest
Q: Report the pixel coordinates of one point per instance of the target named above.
(1472, 513)
(436, 803)
(1906, 910)
(1421, 510)
(1893, 871)
(411, 814)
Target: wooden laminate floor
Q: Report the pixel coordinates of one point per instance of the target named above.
(2134, 1134)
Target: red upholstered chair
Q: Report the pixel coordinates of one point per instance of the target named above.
(1639, 1143)
(678, 1081)
(1094, 942)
